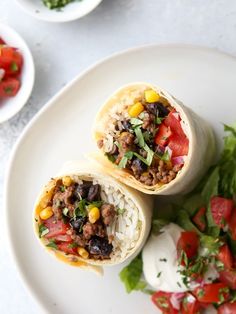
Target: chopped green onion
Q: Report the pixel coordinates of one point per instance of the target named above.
(136, 122)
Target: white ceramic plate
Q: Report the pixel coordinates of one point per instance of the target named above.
(9, 107)
(203, 79)
(70, 12)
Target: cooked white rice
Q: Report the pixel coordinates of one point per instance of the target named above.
(126, 227)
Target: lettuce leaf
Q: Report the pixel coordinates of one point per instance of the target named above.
(131, 275)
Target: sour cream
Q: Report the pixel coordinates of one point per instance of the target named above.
(160, 264)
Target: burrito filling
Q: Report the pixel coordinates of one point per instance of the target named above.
(146, 137)
(81, 218)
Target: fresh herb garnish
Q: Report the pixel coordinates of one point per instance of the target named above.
(43, 230)
(211, 244)
(14, 67)
(72, 245)
(62, 188)
(110, 157)
(159, 120)
(80, 210)
(163, 260)
(139, 136)
(136, 122)
(159, 274)
(120, 211)
(52, 244)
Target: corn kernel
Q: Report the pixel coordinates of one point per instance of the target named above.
(46, 213)
(136, 109)
(82, 252)
(151, 96)
(93, 215)
(66, 181)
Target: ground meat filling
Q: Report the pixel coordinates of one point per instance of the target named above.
(78, 220)
(151, 143)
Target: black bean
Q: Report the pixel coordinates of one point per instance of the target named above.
(94, 193)
(82, 190)
(126, 125)
(158, 109)
(138, 166)
(100, 246)
(77, 224)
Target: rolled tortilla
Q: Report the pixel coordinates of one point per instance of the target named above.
(201, 148)
(129, 228)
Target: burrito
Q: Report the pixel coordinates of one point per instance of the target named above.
(88, 219)
(150, 141)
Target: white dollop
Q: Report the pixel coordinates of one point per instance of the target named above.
(160, 264)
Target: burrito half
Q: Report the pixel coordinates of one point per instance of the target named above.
(87, 218)
(150, 141)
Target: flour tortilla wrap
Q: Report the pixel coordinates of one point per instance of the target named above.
(130, 228)
(199, 133)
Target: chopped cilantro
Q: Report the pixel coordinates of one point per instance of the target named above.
(80, 210)
(163, 260)
(110, 157)
(72, 245)
(136, 122)
(159, 120)
(62, 188)
(43, 230)
(14, 67)
(159, 274)
(120, 211)
(139, 135)
(52, 244)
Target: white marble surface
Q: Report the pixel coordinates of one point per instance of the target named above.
(61, 51)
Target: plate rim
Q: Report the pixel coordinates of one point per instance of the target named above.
(26, 283)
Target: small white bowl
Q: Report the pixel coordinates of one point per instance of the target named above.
(10, 106)
(70, 12)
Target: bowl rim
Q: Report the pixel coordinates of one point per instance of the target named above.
(63, 17)
(30, 61)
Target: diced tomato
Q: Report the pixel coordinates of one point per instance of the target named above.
(66, 247)
(56, 227)
(221, 209)
(2, 42)
(227, 308)
(190, 305)
(232, 224)
(179, 145)
(163, 135)
(228, 277)
(212, 293)
(200, 219)
(10, 60)
(174, 123)
(63, 238)
(225, 256)
(189, 243)
(9, 87)
(162, 300)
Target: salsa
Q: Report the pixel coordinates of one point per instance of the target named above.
(200, 253)
(148, 140)
(11, 62)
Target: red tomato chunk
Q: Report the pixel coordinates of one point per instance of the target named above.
(221, 209)
(189, 243)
